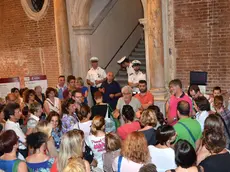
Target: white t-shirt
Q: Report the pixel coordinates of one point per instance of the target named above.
(200, 117)
(84, 126)
(126, 165)
(97, 144)
(10, 125)
(164, 159)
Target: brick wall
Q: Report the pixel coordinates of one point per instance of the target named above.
(27, 47)
(202, 40)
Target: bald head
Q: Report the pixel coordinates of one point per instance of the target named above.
(183, 108)
(11, 98)
(110, 76)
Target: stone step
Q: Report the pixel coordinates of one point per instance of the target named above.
(138, 54)
(142, 41)
(139, 49)
(131, 58)
(120, 79)
(122, 72)
(141, 45)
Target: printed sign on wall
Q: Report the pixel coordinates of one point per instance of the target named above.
(6, 84)
(32, 81)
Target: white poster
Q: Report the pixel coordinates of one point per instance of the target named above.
(38, 80)
(6, 84)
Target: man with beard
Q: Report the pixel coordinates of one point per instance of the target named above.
(145, 97)
(177, 94)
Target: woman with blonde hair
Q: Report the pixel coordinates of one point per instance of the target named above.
(75, 165)
(134, 153)
(46, 127)
(96, 141)
(113, 147)
(71, 147)
(148, 121)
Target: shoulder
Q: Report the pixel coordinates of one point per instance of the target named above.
(22, 166)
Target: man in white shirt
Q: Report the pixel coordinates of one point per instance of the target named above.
(134, 78)
(124, 63)
(95, 76)
(13, 113)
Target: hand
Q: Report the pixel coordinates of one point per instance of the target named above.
(94, 163)
(102, 90)
(97, 82)
(112, 96)
(91, 83)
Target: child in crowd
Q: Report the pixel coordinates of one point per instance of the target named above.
(79, 83)
(113, 146)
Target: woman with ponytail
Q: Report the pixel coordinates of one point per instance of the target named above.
(96, 141)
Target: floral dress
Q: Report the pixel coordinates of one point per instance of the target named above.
(56, 134)
(68, 122)
(41, 166)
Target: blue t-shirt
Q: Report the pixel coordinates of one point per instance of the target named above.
(7, 165)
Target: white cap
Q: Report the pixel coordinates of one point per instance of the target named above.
(95, 59)
(135, 62)
(121, 60)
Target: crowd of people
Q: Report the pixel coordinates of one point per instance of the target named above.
(122, 131)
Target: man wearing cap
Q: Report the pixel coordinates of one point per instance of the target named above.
(95, 76)
(124, 62)
(134, 78)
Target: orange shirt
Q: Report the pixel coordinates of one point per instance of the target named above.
(145, 99)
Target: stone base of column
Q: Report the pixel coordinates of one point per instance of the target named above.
(160, 94)
(160, 97)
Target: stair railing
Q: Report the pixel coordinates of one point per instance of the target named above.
(127, 38)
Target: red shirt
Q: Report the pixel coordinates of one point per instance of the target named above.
(145, 99)
(124, 130)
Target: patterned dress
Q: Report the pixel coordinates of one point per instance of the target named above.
(42, 166)
(56, 134)
(68, 122)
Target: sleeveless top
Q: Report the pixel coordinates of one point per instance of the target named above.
(41, 166)
(53, 106)
(7, 165)
(199, 169)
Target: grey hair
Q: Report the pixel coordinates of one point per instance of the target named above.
(128, 88)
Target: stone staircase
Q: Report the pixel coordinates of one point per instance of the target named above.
(137, 54)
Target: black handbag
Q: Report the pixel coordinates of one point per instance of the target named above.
(88, 154)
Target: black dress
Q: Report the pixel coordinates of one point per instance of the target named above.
(217, 163)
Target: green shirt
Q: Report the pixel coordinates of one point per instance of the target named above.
(193, 125)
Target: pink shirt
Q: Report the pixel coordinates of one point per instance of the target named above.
(126, 129)
(173, 101)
